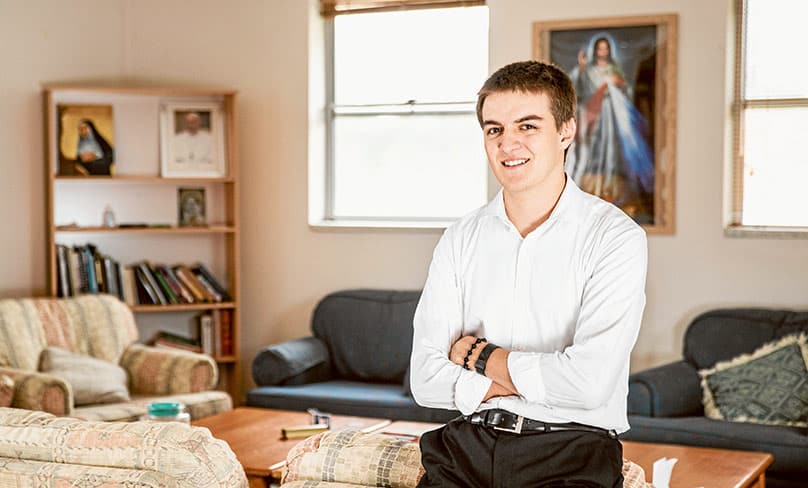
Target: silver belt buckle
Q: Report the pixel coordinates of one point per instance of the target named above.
(517, 429)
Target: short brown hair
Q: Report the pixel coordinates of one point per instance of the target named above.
(533, 77)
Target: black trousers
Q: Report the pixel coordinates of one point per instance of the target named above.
(464, 455)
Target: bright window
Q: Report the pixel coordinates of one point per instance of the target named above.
(771, 168)
(403, 139)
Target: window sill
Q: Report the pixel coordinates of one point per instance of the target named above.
(380, 224)
(766, 232)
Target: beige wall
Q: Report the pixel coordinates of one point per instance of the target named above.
(260, 47)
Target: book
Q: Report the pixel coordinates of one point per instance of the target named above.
(63, 273)
(129, 293)
(186, 293)
(100, 279)
(110, 276)
(189, 280)
(226, 332)
(200, 270)
(145, 270)
(205, 322)
(164, 286)
(89, 263)
(215, 296)
(302, 431)
(175, 288)
(74, 266)
(169, 339)
(146, 295)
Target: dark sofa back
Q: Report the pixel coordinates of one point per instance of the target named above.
(722, 334)
(368, 333)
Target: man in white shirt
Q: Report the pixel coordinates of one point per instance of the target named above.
(194, 144)
(530, 310)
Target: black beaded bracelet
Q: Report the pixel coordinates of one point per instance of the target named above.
(482, 359)
(471, 349)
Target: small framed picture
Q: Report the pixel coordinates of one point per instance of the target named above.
(85, 140)
(192, 140)
(191, 207)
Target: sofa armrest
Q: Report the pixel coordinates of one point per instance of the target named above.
(40, 391)
(671, 390)
(155, 371)
(294, 362)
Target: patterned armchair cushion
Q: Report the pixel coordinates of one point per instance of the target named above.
(351, 459)
(100, 326)
(199, 405)
(155, 371)
(92, 380)
(179, 455)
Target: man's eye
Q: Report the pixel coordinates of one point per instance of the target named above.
(528, 126)
(493, 131)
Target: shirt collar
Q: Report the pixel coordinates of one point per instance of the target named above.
(566, 208)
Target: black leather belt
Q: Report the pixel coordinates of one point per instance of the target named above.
(510, 422)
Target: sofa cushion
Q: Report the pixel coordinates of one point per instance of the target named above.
(199, 405)
(368, 333)
(720, 335)
(92, 380)
(788, 445)
(769, 386)
(6, 390)
(384, 401)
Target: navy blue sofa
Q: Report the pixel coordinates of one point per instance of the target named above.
(665, 406)
(355, 363)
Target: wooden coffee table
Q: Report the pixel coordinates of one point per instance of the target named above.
(702, 466)
(254, 435)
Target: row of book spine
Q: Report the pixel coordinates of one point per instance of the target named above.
(83, 269)
(213, 335)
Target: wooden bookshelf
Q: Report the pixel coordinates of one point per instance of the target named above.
(139, 193)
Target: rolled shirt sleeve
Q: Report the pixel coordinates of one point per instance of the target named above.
(435, 380)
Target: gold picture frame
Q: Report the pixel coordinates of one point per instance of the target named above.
(625, 71)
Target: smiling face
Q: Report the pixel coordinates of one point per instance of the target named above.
(525, 148)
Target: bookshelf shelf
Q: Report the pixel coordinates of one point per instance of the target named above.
(183, 308)
(141, 179)
(210, 229)
(141, 195)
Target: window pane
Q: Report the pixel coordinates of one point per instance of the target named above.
(775, 51)
(431, 55)
(775, 169)
(408, 166)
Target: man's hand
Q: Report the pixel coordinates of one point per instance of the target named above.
(461, 347)
(496, 367)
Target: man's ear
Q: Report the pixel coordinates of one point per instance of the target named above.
(567, 133)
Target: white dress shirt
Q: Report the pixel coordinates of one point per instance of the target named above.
(566, 300)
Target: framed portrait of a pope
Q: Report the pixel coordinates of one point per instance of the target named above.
(192, 140)
(624, 72)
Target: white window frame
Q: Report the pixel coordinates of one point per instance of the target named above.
(734, 203)
(326, 216)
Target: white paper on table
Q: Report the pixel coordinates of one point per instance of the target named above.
(663, 467)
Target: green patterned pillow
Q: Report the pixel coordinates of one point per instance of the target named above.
(769, 386)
